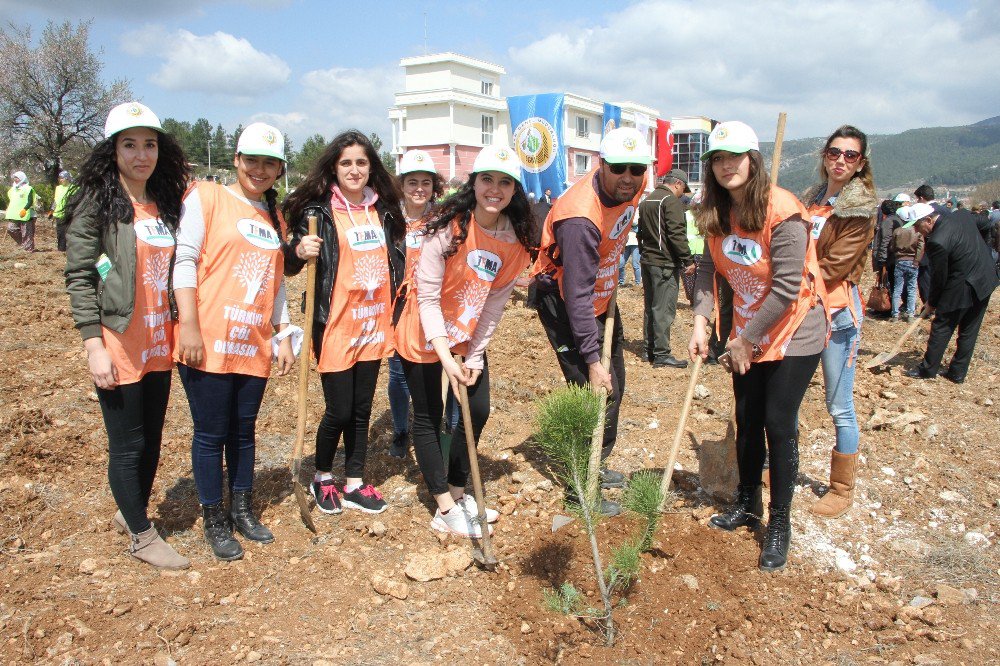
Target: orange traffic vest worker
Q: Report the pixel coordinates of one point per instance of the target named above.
(231, 296)
(119, 250)
(758, 239)
(475, 246)
(576, 274)
(360, 257)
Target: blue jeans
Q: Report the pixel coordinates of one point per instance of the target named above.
(224, 411)
(399, 396)
(905, 272)
(839, 360)
(631, 253)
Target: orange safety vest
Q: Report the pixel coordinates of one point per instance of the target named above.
(147, 344)
(360, 321)
(479, 265)
(840, 296)
(239, 274)
(744, 259)
(582, 200)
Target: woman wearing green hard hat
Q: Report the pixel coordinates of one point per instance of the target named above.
(475, 247)
(758, 240)
(121, 224)
(230, 297)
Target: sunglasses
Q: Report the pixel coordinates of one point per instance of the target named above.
(850, 156)
(634, 169)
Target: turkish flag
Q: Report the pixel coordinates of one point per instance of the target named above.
(664, 147)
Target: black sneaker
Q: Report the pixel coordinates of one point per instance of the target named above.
(326, 495)
(400, 443)
(366, 498)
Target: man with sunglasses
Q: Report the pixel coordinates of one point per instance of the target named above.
(577, 271)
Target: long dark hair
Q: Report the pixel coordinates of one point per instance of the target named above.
(99, 180)
(849, 132)
(323, 175)
(459, 207)
(717, 202)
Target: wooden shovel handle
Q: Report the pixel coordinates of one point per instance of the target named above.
(668, 471)
(304, 360)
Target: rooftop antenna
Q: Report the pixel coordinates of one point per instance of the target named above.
(425, 32)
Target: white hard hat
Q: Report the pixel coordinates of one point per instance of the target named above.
(416, 160)
(498, 158)
(902, 197)
(731, 136)
(128, 115)
(625, 145)
(904, 212)
(261, 139)
(919, 211)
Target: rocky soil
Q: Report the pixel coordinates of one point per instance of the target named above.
(910, 576)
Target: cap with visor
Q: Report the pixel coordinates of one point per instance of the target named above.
(498, 158)
(625, 145)
(731, 136)
(416, 160)
(128, 115)
(261, 139)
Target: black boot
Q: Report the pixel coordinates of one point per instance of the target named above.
(779, 536)
(219, 533)
(746, 512)
(400, 445)
(241, 513)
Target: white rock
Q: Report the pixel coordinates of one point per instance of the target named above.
(844, 561)
(976, 539)
(701, 392)
(653, 425)
(888, 471)
(20, 265)
(559, 522)
(952, 496)
(689, 581)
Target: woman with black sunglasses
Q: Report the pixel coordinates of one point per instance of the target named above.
(842, 206)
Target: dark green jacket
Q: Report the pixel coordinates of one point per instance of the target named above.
(95, 302)
(663, 230)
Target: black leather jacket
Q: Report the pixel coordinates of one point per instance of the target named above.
(329, 255)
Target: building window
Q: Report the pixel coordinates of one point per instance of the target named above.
(582, 127)
(688, 149)
(487, 130)
(581, 163)
(487, 88)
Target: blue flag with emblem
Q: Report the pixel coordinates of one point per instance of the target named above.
(537, 124)
(612, 118)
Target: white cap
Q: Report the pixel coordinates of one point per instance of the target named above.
(903, 213)
(416, 160)
(919, 211)
(128, 115)
(498, 158)
(625, 145)
(902, 197)
(261, 139)
(731, 136)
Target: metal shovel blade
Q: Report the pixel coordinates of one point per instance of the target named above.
(881, 359)
(303, 500)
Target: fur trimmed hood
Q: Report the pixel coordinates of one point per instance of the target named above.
(855, 200)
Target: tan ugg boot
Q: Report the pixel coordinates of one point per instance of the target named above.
(118, 522)
(150, 548)
(840, 497)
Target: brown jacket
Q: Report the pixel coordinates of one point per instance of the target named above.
(842, 246)
(908, 243)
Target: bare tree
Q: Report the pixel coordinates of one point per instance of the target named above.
(52, 98)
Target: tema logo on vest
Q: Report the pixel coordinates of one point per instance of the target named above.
(623, 223)
(745, 251)
(536, 144)
(259, 234)
(366, 237)
(485, 264)
(153, 232)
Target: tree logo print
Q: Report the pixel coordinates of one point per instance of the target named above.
(472, 298)
(155, 275)
(369, 274)
(253, 271)
(748, 287)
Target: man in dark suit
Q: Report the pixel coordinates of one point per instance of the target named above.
(963, 276)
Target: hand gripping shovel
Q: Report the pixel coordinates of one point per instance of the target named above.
(668, 471)
(300, 429)
(483, 555)
(885, 357)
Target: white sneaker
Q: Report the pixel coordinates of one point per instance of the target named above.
(468, 504)
(457, 521)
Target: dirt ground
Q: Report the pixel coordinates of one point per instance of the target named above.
(910, 575)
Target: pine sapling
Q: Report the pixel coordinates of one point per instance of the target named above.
(643, 496)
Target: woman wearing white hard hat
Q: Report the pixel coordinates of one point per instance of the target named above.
(120, 241)
(360, 254)
(231, 297)
(421, 186)
(476, 245)
(758, 239)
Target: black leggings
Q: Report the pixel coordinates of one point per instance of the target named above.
(348, 394)
(133, 417)
(768, 397)
(424, 380)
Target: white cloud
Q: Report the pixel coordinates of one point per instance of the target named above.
(872, 63)
(217, 64)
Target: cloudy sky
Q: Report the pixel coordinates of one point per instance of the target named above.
(321, 66)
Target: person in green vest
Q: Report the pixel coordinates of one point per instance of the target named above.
(64, 190)
(21, 211)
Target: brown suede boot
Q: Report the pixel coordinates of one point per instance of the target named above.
(840, 497)
(150, 548)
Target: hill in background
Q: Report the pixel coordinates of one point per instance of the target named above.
(941, 156)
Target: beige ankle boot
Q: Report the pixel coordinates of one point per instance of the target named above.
(118, 522)
(150, 548)
(840, 497)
